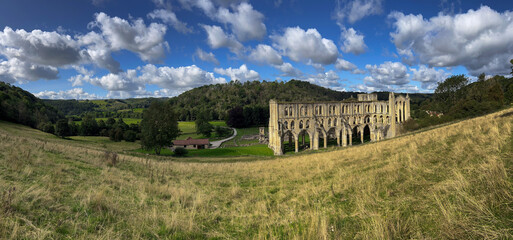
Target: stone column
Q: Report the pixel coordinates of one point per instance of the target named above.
(296, 140)
(344, 139)
(338, 138)
(361, 134)
(325, 140)
(316, 140)
(303, 139)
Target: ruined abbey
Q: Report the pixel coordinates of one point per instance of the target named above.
(294, 126)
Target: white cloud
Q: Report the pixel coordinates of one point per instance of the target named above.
(15, 70)
(245, 22)
(352, 41)
(180, 78)
(265, 54)
(169, 17)
(217, 39)
(75, 93)
(344, 65)
(133, 82)
(429, 77)
(147, 41)
(39, 47)
(355, 10)
(387, 74)
(99, 51)
(287, 70)
(306, 46)
(208, 57)
(241, 74)
(329, 79)
(480, 40)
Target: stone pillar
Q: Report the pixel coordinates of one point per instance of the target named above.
(338, 138)
(316, 140)
(407, 107)
(296, 140)
(303, 139)
(344, 139)
(361, 134)
(325, 140)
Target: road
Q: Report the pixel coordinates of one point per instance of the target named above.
(216, 144)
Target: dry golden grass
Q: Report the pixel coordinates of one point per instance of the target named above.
(450, 182)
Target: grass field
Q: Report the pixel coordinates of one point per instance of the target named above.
(237, 141)
(189, 130)
(451, 182)
(255, 150)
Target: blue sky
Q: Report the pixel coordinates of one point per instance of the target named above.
(88, 49)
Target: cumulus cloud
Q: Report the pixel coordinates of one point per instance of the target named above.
(39, 47)
(147, 41)
(329, 79)
(99, 51)
(169, 17)
(387, 74)
(75, 93)
(352, 41)
(355, 10)
(217, 39)
(208, 57)
(344, 65)
(15, 70)
(180, 78)
(306, 46)
(287, 70)
(133, 82)
(429, 77)
(265, 54)
(245, 22)
(241, 74)
(480, 40)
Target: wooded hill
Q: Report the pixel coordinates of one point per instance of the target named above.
(20, 106)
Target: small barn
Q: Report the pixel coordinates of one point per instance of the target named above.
(190, 143)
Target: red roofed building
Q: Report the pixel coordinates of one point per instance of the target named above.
(190, 143)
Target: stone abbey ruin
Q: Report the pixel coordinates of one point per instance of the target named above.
(365, 119)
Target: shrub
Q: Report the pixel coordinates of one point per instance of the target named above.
(180, 151)
(130, 136)
(111, 158)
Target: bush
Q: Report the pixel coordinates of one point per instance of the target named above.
(130, 136)
(180, 151)
(48, 128)
(111, 158)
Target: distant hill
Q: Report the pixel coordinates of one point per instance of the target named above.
(216, 99)
(20, 106)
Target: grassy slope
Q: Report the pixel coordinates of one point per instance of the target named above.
(450, 182)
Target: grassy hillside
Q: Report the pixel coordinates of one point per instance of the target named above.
(452, 182)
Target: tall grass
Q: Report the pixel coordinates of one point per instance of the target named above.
(450, 182)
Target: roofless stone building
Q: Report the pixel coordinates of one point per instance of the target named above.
(303, 125)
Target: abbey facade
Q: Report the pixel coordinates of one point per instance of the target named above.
(294, 126)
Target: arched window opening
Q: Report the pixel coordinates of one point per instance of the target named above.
(285, 125)
(335, 122)
(301, 124)
(307, 123)
(286, 111)
(291, 124)
(329, 122)
(290, 111)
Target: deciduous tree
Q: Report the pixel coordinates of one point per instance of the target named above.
(159, 126)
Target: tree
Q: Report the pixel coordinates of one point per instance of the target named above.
(236, 117)
(89, 126)
(130, 136)
(159, 126)
(62, 128)
(448, 91)
(511, 61)
(202, 125)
